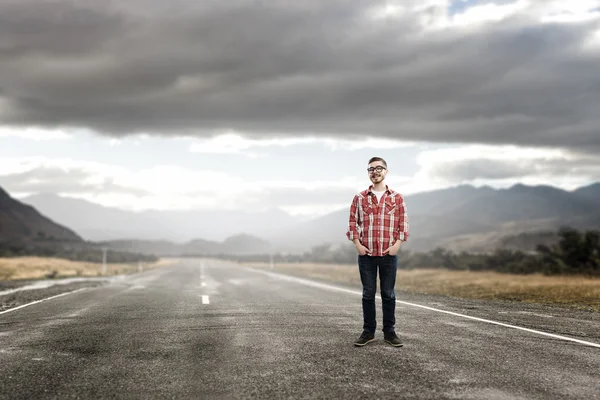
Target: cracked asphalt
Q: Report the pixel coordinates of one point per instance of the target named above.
(212, 329)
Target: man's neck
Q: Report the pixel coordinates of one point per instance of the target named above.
(379, 187)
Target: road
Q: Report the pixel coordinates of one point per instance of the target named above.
(209, 329)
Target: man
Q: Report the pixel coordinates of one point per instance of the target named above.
(378, 225)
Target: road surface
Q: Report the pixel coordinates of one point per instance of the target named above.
(209, 329)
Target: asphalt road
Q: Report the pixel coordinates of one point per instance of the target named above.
(206, 329)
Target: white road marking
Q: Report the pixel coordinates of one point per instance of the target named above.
(43, 284)
(202, 283)
(39, 301)
(205, 300)
(340, 289)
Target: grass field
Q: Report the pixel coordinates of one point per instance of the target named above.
(39, 267)
(572, 291)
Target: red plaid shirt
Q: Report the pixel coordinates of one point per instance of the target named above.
(378, 226)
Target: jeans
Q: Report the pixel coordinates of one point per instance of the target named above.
(367, 266)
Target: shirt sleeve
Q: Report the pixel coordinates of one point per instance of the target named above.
(402, 233)
(354, 220)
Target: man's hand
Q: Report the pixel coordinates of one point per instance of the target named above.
(362, 250)
(393, 250)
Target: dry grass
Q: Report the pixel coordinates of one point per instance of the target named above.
(572, 291)
(40, 267)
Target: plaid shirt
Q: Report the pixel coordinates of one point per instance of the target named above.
(378, 226)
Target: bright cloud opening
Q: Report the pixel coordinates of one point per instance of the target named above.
(34, 133)
(235, 143)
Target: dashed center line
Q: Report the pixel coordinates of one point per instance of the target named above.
(205, 300)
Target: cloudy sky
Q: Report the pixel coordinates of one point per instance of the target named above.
(245, 104)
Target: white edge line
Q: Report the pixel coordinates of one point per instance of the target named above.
(331, 287)
(39, 301)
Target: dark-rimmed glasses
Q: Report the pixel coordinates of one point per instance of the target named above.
(379, 168)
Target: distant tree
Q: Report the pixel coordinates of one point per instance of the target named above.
(576, 252)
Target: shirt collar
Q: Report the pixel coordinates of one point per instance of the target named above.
(387, 189)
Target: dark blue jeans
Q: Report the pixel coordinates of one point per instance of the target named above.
(387, 265)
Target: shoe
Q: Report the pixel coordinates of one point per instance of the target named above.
(365, 338)
(391, 338)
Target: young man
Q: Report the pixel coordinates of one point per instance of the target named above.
(378, 225)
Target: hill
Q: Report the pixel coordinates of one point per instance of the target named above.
(25, 231)
(23, 223)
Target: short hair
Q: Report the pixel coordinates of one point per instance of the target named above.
(377, 159)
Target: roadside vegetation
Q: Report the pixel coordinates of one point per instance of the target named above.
(566, 273)
(574, 253)
(16, 268)
(73, 251)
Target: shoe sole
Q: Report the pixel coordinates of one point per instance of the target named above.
(364, 344)
(395, 345)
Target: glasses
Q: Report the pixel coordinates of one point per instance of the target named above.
(378, 169)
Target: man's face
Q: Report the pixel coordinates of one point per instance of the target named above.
(377, 171)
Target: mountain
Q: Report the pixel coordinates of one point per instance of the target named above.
(591, 192)
(96, 222)
(524, 202)
(467, 218)
(437, 201)
(245, 244)
(21, 222)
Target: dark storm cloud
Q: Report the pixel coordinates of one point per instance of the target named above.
(480, 169)
(57, 180)
(580, 165)
(185, 67)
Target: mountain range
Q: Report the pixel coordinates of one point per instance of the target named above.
(23, 226)
(100, 223)
(458, 218)
(474, 218)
